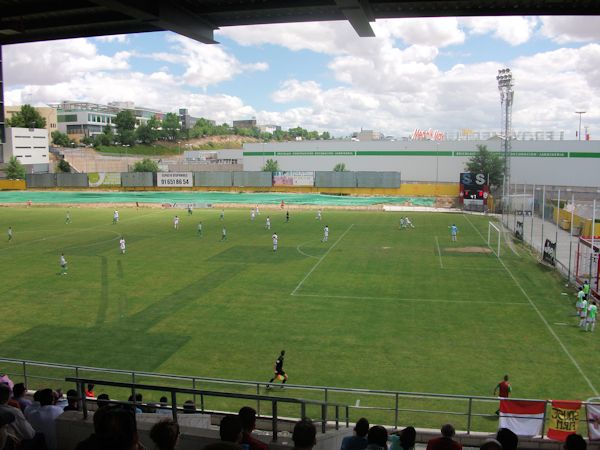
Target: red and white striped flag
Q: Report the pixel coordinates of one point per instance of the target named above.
(593, 421)
(524, 418)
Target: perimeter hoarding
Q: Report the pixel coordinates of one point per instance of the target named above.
(294, 178)
(174, 179)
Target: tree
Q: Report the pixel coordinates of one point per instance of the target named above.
(325, 135)
(145, 134)
(271, 166)
(60, 139)
(170, 126)
(64, 166)
(125, 122)
(107, 137)
(14, 169)
(339, 167)
(488, 163)
(27, 117)
(145, 165)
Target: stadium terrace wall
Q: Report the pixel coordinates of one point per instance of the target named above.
(12, 185)
(52, 180)
(565, 163)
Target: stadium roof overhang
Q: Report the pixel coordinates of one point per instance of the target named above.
(34, 20)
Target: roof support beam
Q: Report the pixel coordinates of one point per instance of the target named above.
(358, 14)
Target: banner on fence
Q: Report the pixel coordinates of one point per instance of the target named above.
(549, 254)
(519, 230)
(96, 179)
(293, 178)
(593, 421)
(174, 179)
(524, 418)
(564, 419)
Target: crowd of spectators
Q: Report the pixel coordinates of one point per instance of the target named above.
(30, 425)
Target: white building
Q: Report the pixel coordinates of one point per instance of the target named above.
(28, 145)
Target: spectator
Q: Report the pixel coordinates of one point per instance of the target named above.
(89, 392)
(35, 405)
(490, 444)
(19, 391)
(403, 440)
(377, 438)
(72, 401)
(508, 439)
(165, 434)
(189, 407)
(20, 428)
(102, 400)
(5, 379)
(230, 429)
(304, 435)
(163, 407)
(7, 442)
(248, 417)
(445, 442)
(575, 442)
(43, 419)
(358, 441)
(59, 399)
(114, 428)
(134, 406)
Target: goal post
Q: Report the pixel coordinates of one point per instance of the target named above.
(494, 238)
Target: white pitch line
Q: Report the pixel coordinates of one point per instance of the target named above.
(305, 254)
(539, 313)
(400, 299)
(437, 243)
(321, 260)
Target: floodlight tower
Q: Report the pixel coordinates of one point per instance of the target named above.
(505, 86)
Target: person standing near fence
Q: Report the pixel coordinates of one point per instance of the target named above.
(591, 316)
(503, 389)
(580, 298)
(586, 289)
(583, 313)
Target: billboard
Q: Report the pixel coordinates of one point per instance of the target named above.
(174, 179)
(96, 179)
(297, 178)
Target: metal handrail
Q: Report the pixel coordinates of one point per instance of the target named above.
(81, 382)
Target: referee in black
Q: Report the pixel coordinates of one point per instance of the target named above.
(278, 370)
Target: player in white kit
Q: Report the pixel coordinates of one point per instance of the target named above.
(268, 223)
(325, 233)
(115, 217)
(275, 241)
(122, 245)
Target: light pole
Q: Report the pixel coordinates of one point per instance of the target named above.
(437, 165)
(580, 114)
(505, 86)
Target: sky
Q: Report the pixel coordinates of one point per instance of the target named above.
(437, 73)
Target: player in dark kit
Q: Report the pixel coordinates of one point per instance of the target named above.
(278, 370)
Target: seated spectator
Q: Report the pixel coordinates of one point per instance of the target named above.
(19, 391)
(35, 404)
(89, 392)
(20, 428)
(403, 440)
(304, 435)
(102, 400)
(445, 442)
(72, 401)
(230, 429)
(5, 379)
(189, 407)
(377, 438)
(163, 407)
(165, 434)
(359, 440)
(7, 442)
(248, 417)
(575, 442)
(59, 399)
(133, 400)
(115, 428)
(490, 444)
(43, 419)
(508, 439)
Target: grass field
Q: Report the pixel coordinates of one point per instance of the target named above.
(376, 307)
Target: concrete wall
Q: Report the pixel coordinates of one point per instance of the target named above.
(137, 179)
(257, 179)
(72, 180)
(28, 146)
(566, 163)
(221, 179)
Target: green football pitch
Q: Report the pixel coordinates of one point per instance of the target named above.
(375, 307)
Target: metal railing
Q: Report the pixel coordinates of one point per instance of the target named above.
(173, 391)
(468, 412)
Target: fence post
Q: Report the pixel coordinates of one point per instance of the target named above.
(174, 405)
(337, 417)
(274, 419)
(544, 419)
(258, 400)
(396, 413)
(302, 410)
(133, 388)
(323, 417)
(469, 415)
(194, 387)
(202, 402)
(83, 399)
(25, 373)
(347, 416)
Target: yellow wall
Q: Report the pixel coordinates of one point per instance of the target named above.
(46, 112)
(12, 185)
(580, 224)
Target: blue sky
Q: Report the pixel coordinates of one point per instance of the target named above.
(417, 73)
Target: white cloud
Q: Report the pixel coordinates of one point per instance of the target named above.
(565, 29)
(434, 32)
(120, 38)
(514, 30)
(47, 63)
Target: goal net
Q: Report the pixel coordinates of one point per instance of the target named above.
(493, 238)
(587, 264)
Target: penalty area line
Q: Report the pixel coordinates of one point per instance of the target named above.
(437, 243)
(543, 319)
(414, 300)
(320, 260)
